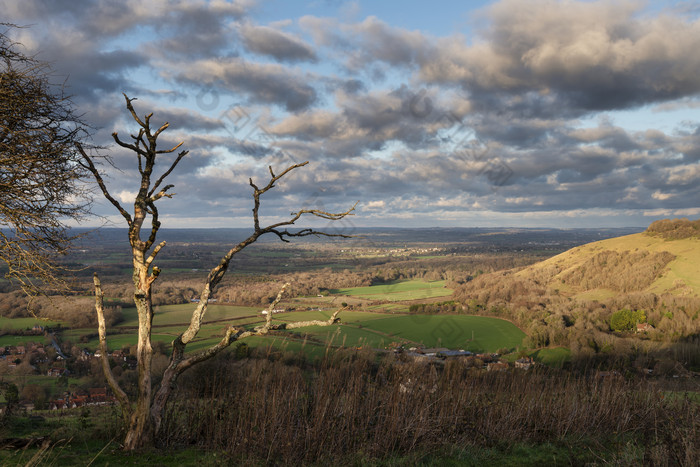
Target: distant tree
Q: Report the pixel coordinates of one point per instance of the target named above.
(143, 418)
(11, 394)
(40, 177)
(626, 320)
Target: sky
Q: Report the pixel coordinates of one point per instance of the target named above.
(536, 113)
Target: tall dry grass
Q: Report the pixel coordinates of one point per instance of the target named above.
(268, 410)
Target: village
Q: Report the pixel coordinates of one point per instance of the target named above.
(486, 361)
(38, 360)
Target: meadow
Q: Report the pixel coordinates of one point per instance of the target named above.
(357, 329)
(398, 290)
(375, 325)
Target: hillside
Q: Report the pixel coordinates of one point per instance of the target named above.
(569, 299)
(633, 263)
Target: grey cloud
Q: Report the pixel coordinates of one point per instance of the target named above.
(591, 56)
(282, 46)
(518, 91)
(367, 122)
(179, 119)
(369, 41)
(265, 83)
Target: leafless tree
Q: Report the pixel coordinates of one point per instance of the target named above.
(144, 416)
(40, 177)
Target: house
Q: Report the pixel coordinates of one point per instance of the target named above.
(644, 327)
(58, 405)
(84, 355)
(433, 352)
(27, 406)
(56, 371)
(453, 353)
(524, 363)
(78, 401)
(98, 396)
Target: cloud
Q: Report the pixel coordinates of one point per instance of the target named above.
(263, 83)
(415, 124)
(280, 45)
(589, 55)
(370, 40)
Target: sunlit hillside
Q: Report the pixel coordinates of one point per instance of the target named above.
(633, 263)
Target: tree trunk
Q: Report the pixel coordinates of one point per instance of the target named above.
(141, 431)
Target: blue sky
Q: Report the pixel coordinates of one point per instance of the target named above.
(509, 113)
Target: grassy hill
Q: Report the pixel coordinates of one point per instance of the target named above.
(633, 263)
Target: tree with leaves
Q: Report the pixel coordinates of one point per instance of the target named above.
(144, 415)
(41, 179)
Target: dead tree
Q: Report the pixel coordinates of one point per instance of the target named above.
(144, 415)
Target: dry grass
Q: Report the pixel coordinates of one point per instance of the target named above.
(266, 410)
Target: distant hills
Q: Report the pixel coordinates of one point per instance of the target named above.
(664, 259)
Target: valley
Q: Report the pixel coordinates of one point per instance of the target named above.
(482, 300)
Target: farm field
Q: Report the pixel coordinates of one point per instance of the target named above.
(357, 329)
(176, 314)
(377, 330)
(22, 340)
(25, 323)
(398, 291)
(473, 333)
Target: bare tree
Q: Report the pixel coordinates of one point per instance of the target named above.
(40, 177)
(143, 417)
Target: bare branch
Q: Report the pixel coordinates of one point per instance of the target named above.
(133, 112)
(147, 415)
(155, 252)
(302, 324)
(100, 182)
(130, 146)
(41, 181)
(162, 193)
(160, 130)
(102, 331)
(268, 317)
(167, 172)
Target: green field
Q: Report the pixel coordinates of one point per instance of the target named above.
(22, 340)
(384, 325)
(360, 329)
(474, 333)
(377, 330)
(177, 314)
(25, 323)
(555, 357)
(398, 290)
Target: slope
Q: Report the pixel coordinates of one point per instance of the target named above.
(633, 263)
